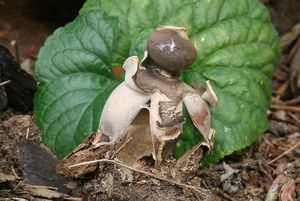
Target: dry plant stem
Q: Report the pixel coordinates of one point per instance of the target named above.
(293, 101)
(288, 38)
(293, 52)
(264, 171)
(27, 133)
(14, 172)
(284, 153)
(286, 121)
(4, 83)
(196, 195)
(295, 119)
(282, 88)
(18, 185)
(73, 199)
(123, 145)
(286, 107)
(145, 173)
(285, 68)
(28, 128)
(225, 195)
(13, 43)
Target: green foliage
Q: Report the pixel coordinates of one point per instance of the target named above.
(74, 68)
(237, 49)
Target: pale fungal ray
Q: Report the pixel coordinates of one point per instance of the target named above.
(131, 66)
(200, 115)
(119, 111)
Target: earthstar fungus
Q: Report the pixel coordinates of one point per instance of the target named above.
(153, 84)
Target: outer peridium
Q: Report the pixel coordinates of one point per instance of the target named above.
(127, 100)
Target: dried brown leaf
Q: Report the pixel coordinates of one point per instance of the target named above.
(295, 73)
(289, 37)
(287, 191)
(276, 188)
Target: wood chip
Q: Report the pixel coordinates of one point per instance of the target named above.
(6, 178)
(44, 192)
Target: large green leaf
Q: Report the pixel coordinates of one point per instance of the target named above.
(84, 45)
(237, 49)
(69, 109)
(75, 74)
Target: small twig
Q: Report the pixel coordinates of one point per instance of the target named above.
(73, 198)
(295, 119)
(225, 195)
(285, 121)
(293, 52)
(205, 184)
(264, 171)
(284, 153)
(282, 88)
(13, 43)
(122, 146)
(18, 185)
(293, 101)
(285, 68)
(8, 190)
(14, 172)
(5, 82)
(199, 198)
(27, 133)
(286, 107)
(28, 128)
(201, 191)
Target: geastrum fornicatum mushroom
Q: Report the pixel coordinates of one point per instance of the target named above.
(154, 84)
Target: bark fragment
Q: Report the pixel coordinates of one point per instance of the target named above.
(20, 90)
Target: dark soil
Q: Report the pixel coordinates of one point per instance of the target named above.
(30, 22)
(251, 172)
